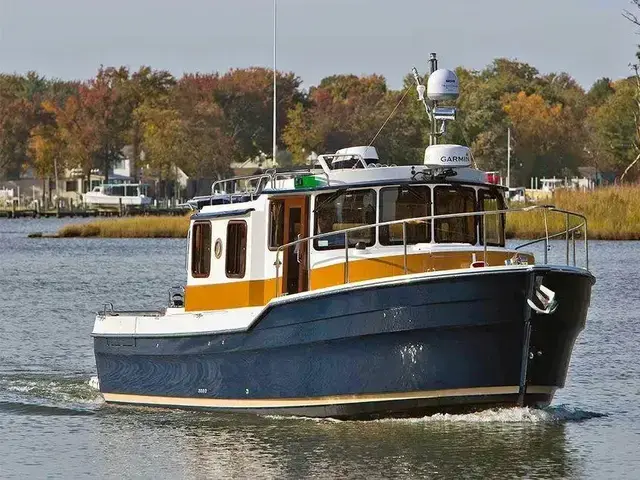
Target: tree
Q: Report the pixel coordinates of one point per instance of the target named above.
(142, 90)
(543, 132)
(246, 98)
(600, 91)
(346, 110)
(209, 148)
(47, 151)
(18, 115)
(106, 111)
(164, 136)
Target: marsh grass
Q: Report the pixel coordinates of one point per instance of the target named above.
(613, 213)
(130, 227)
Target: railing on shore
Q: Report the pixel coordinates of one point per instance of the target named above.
(569, 234)
(90, 211)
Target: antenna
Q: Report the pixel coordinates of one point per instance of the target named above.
(275, 103)
(433, 63)
(441, 86)
(421, 90)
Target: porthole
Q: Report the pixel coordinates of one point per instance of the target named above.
(218, 248)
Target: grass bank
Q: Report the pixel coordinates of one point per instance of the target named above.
(613, 213)
(130, 227)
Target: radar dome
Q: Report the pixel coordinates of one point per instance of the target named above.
(443, 85)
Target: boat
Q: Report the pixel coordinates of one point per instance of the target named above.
(357, 289)
(115, 194)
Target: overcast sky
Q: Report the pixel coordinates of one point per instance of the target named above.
(69, 39)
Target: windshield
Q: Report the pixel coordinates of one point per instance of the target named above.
(455, 199)
(397, 203)
(491, 200)
(344, 210)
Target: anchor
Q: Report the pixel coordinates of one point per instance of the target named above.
(547, 299)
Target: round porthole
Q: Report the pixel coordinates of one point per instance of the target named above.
(218, 248)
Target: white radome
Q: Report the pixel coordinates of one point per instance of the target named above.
(443, 85)
(447, 156)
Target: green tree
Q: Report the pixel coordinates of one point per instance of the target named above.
(613, 128)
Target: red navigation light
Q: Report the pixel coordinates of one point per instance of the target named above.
(493, 177)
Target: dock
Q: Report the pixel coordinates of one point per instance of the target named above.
(17, 212)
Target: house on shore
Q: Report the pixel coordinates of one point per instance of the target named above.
(72, 183)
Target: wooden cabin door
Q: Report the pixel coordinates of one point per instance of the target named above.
(296, 226)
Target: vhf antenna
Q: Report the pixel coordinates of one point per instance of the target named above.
(421, 90)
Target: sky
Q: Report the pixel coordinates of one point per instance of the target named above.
(70, 39)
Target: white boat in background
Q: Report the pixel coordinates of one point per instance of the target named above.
(110, 194)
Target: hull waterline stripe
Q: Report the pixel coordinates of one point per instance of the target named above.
(318, 401)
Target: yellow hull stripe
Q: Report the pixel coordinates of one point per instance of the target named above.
(256, 293)
(316, 401)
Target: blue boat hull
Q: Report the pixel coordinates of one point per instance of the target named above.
(432, 344)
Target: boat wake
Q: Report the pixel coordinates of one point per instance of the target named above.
(519, 415)
(48, 394)
(516, 415)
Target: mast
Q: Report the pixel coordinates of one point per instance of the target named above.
(275, 103)
(433, 136)
(509, 157)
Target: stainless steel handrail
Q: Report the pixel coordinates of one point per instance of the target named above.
(483, 214)
(271, 177)
(251, 178)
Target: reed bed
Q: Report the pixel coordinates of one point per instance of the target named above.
(613, 213)
(130, 227)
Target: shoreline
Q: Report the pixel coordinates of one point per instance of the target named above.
(613, 213)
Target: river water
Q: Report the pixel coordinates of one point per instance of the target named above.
(54, 424)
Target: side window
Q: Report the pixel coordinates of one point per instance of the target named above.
(235, 262)
(397, 203)
(276, 224)
(342, 210)
(455, 199)
(491, 200)
(201, 250)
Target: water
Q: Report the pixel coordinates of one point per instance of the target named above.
(54, 424)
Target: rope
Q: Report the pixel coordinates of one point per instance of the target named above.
(406, 91)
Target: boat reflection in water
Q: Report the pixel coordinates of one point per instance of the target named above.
(353, 289)
(242, 446)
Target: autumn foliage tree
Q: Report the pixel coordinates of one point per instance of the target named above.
(202, 123)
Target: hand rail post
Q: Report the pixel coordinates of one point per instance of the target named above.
(404, 244)
(277, 263)
(546, 250)
(566, 224)
(586, 244)
(573, 241)
(484, 238)
(308, 255)
(346, 257)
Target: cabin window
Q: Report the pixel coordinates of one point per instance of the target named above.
(201, 249)
(455, 199)
(490, 200)
(276, 224)
(236, 248)
(341, 210)
(398, 203)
